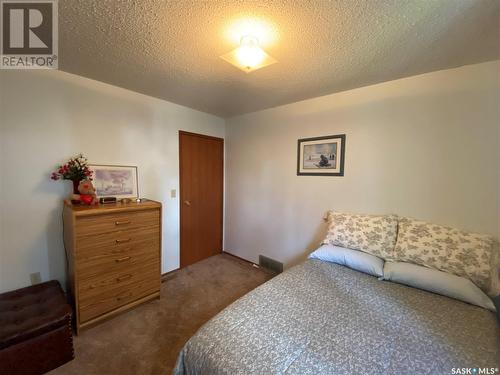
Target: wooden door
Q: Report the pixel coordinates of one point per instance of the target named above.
(201, 160)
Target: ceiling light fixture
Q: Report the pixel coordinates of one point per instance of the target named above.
(249, 56)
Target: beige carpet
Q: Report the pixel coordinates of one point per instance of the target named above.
(147, 339)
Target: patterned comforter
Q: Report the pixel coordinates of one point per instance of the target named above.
(322, 318)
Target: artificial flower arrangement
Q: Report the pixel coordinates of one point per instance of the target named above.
(77, 170)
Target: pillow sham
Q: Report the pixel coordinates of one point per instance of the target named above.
(446, 249)
(354, 259)
(495, 272)
(373, 234)
(437, 282)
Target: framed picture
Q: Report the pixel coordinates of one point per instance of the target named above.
(118, 181)
(321, 156)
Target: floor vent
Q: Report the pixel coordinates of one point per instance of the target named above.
(270, 264)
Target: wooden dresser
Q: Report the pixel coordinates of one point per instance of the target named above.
(114, 256)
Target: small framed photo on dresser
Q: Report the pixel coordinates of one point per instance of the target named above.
(321, 156)
(119, 181)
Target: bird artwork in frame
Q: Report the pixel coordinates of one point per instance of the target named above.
(321, 156)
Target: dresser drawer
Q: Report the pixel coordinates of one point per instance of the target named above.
(96, 224)
(102, 283)
(110, 262)
(116, 243)
(117, 297)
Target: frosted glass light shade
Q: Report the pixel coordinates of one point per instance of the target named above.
(248, 56)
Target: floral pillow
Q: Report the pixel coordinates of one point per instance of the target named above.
(447, 249)
(373, 234)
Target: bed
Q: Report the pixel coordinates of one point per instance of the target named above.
(324, 318)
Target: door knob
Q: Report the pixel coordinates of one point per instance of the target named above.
(187, 203)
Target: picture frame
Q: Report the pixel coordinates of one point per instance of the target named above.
(321, 156)
(119, 181)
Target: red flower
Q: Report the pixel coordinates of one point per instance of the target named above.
(75, 169)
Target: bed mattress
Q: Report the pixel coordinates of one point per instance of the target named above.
(323, 318)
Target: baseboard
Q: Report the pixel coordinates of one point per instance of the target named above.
(164, 276)
(167, 274)
(240, 258)
(255, 265)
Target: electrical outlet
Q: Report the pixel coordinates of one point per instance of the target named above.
(35, 278)
(173, 193)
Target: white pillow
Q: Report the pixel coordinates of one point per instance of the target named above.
(354, 259)
(437, 282)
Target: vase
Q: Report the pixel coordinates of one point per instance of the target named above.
(75, 186)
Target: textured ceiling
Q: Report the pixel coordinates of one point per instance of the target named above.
(171, 49)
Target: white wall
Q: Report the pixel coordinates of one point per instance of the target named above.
(48, 116)
(425, 146)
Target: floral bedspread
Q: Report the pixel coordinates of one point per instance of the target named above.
(323, 318)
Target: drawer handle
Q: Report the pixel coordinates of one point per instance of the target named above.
(123, 240)
(124, 222)
(119, 260)
(124, 277)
